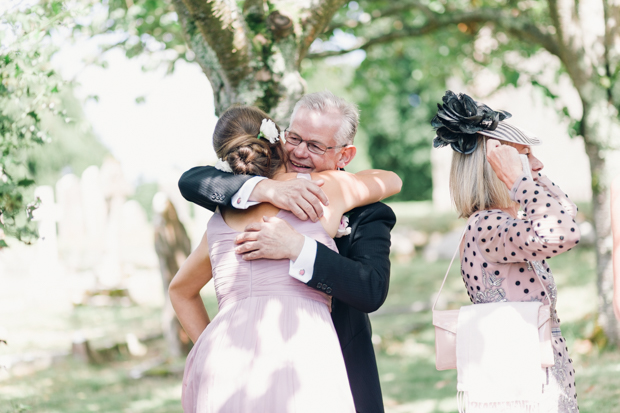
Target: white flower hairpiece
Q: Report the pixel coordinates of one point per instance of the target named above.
(223, 166)
(269, 131)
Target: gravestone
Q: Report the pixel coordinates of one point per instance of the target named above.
(114, 190)
(71, 230)
(46, 215)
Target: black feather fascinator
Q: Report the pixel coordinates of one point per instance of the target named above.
(460, 118)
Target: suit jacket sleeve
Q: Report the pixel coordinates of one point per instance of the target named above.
(359, 277)
(210, 187)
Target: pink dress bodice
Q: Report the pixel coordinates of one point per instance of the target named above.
(236, 279)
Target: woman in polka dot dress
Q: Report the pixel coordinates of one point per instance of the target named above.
(502, 246)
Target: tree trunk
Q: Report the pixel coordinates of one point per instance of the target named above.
(599, 121)
(173, 247)
(252, 56)
(597, 126)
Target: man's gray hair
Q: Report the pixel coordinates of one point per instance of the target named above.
(325, 102)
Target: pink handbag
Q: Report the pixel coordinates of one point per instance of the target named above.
(446, 322)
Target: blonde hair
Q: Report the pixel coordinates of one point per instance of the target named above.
(474, 186)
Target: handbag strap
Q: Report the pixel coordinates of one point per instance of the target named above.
(458, 247)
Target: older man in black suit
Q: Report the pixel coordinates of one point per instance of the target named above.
(320, 137)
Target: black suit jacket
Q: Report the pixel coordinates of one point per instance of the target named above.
(357, 277)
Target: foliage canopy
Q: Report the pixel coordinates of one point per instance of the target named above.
(37, 110)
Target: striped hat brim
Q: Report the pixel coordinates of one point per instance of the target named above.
(509, 133)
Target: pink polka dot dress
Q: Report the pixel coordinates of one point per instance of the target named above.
(501, 254)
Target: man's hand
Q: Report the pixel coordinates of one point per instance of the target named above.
(505, 161)
(300, 196)
(273, 238)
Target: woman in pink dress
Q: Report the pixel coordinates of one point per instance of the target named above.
(272, 346)
(504, 249)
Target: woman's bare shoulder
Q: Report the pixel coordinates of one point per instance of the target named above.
(330, 174)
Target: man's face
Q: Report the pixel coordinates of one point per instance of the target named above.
(311, 125)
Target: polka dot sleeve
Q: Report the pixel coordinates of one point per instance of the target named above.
(547, 229)
(558, 194)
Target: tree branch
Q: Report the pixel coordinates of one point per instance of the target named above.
(608, 44)
(572, 50)
(555, 18)
(219, 24)
(319, 14)
(393, 11)
(612, 37)
(518, 27)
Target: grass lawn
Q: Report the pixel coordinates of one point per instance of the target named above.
(73, 387)
(406, 355)
(405, 351)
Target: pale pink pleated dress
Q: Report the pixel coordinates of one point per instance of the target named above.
(272, 346)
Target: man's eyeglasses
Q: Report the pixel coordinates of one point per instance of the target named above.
(313, 146)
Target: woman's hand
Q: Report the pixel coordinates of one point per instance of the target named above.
(505, 161)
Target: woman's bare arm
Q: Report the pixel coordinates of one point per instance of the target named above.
(346, 191)
(185, 288)
(353, 190)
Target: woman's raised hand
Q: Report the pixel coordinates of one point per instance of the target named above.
(505, 161)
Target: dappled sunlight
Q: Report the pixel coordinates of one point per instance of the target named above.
(425, 406)
(254, 351)
(157, 399)
(103, 104)
(410, 348)
(16, 391)
(585, 296)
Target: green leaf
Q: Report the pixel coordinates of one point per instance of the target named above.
(575, 128)
(511, 76)
(56, 7)
(548, 93)
(25, 182)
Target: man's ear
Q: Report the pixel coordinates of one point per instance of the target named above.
(346, 156)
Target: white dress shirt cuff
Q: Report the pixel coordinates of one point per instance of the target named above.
(303, 267)
(240, 200)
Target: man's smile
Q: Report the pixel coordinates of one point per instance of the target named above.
(298, 165)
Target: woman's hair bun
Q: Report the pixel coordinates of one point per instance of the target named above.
(235, 141)
(250, 158)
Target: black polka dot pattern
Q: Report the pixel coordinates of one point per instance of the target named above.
(499, 253)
